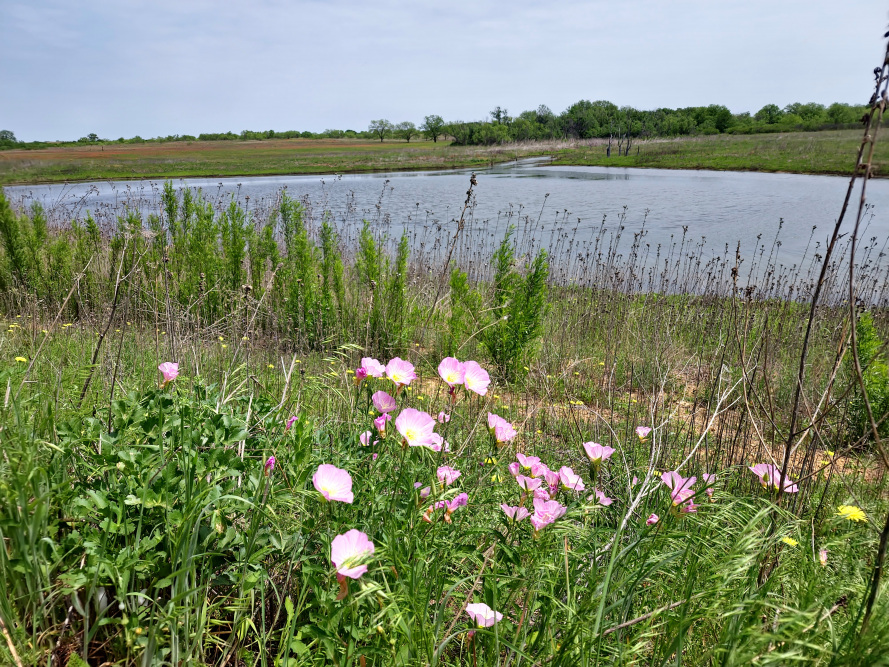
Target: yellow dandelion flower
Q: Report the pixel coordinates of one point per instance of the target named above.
(224, 346)
(244, 338)
(45, 331)
(601, 363)
(852, 513)
(491, 460)
(539, 431)
(496, 478)
(526, 368)
(576, 373)
(350, 372)
(789, 540)
(496, 397)
(221, 339)
(830, 453)
(297, 361)
(21, 359)
(271, 365)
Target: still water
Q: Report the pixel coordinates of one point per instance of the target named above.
(719, 207)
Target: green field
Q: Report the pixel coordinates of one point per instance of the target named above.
(828, 152)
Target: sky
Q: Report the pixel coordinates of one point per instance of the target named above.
(131, 67)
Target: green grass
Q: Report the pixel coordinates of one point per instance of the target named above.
(828, 152)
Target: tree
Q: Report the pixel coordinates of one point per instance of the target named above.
(7, 135)
(433, 127)
(406, 130)
(382, 128)
(770, 114)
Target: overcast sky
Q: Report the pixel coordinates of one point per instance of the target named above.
(122, 68)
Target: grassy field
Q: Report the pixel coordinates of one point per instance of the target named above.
(803, 152)
(242, 158)
(829, 152)
(144, 521)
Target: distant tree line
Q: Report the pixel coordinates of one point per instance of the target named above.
(583, 120)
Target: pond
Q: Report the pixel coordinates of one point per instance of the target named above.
(568, 210)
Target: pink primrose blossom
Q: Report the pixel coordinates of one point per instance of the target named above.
(383, 402)
(483, 615)
(365, 437)
(447, 475)
(643, 431)
(680, 487)
(347, 551)
(438, 443)
(542, 493)
(502, 429)
(416, 427)
(269, 466)
(476, 378)
(360, 374)
(449, 506)
(539, 470)
(601, 498)
(652, 519)
(527, 483)
(333, 483)
(635, 481)
(549, 508)
(527, 462)
(822, 557)
(401, 372)
(290, 421)
(380, 423)
(597, 453)
(169, 370)
(569, 480)
(515, 513)
(451, 371)
(552, 478)
(372, 367)
(374, 457)
(425, 491)
(770, 475)
(709, 480)
(443, 417)
(514, 468)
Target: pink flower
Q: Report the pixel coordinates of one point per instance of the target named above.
(383, 402)
(515, 513)
(542, 493)
(380, 423)
(709, 480)
(483, 615)
(365, 437)
(372, 367)
(514, 468)
(447, 475)
(770, 475)
(333, 483)
(425, 491)
(597, 453)
(451, 371)
(169, 370)
(416, 427)
(601, 498)
(449, 506)
(549, 509)
(635, 481)
(822, 557)
(374, 457)
(476, 378)
(679, 486)
(360, 374)
(503, 430)
(569, 480)
(290, 422)
(438, 444)
(527, 462)
(347, 551)
(269, 466)
(642, 432)
(443, 417)
(552, 478)
(527, 483)
(539, 469)
(652, 519)
(401, 372)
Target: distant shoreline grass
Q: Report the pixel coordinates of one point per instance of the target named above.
(828, 153)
